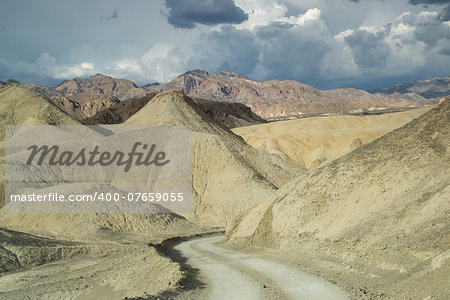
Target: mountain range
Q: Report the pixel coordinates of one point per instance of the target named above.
(428, 88)
(274, 99)
(269, 99)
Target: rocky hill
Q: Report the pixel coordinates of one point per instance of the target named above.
(382, 211)
(318, 140)
(228, 176)
(101, 84)
(20, 106)
(82, 105)
(120, 112)
(230, 115)
(9, 81)
(274, 98)
(428, 88)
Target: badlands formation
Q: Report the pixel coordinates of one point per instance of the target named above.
(372, 215)
(314, 141)
(381, 211)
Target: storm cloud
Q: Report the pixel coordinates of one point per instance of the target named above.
(370, 50)
(322, 43)
(445, 15)
(189, 13)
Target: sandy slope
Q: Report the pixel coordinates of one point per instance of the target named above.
(113, 271)
(228, 176)
(314, 141)
(69, 255)
(110, 255)
(232, 274)
(19, 106)
(383, 207)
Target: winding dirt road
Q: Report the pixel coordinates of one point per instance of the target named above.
(230, 274)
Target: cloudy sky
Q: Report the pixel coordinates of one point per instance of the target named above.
(324, 43)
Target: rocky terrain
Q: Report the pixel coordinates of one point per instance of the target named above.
(374, 221)
(318, 140)
(82, 106)
(20, 106)
(268, 99)
(44, 246)
(428, 88)
(229, 176)
(119, 112)
(230, 115)
(101, 84)
(272, 99)
(379, 214)
(9, 81)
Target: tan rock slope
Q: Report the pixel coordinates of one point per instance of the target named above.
(20, 106)
(229, 176)
(383, 207)
(228, 114)
(317, 140)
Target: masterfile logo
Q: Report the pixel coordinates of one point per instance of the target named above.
(94, 157)
(114, 168)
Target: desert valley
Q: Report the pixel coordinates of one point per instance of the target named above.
(341, 193)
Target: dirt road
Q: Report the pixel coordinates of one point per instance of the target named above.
(231, 274)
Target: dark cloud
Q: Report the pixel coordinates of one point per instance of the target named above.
(189, 13)
(445, 15)
(276, 51)
(369, 50)
(227, 49)
(417, 2)
(292, 52)
(431, 32)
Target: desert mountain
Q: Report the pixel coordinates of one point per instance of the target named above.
(274, 98)
(101, 84)
(9, 81)
(119, 112)
(383, 208)
(20, 106)
(314, 141)
(228, 114)
(428, 88)
(81, 106)
(229, 176)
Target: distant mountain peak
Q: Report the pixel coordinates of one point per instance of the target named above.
(196, 72)
(101, 84)
(9, 81)
(428, 88)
